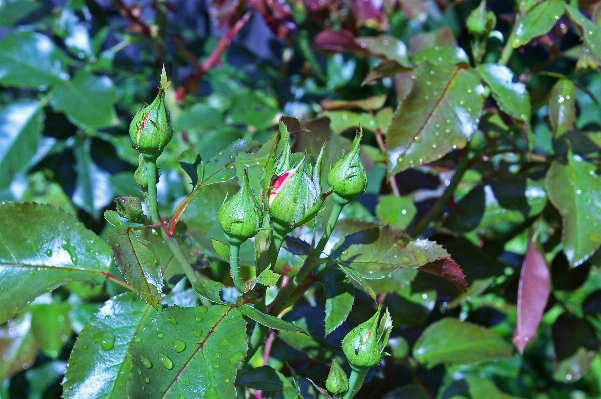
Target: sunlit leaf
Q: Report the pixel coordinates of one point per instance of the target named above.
(41, 248)
(18, 346)
(591, 32)
(538, 21)
(511, 96)
(439, 115)
(562, 107)
(339, 294)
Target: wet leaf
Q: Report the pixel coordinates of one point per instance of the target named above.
(575, 344)
(442, 55)
(395, 211)
(41, 248)
(562, 107)
(511, 96)
(538, 21)
(12, 11)
(450, 341)
(269, 321)
(138, 264)
(533, 292)
(573, 188)
(30, 59)
(339, 293)
(101, 361)
(591, 32)
(176, 346)
(87, 100)
(439, 115)
(51, 326)
(20, 131)
(18, 346)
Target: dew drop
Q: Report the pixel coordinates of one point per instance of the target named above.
(105, 339)
(178, 345)
(172, 320)
(166, 362)
(147, 380)
(137, 339)
(146, 362)
(160, 335)
(48, 252)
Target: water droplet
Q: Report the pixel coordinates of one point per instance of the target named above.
(166, 362)
(160, 335)
(224, 342)
(172, 320)
(217, 355)
(197, 333)
(178, 345)
(147, 380)
(48, 252)
(137, 339)
(105, 339)
(146, 362)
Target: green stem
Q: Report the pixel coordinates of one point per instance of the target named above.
(508, 49)
(288, 294)
(235, 268)
(153, 208)
(440, 204)
(355, 382)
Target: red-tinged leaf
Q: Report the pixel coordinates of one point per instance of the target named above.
(440, 114)
(337, 41)
(533, 292)
(448, 269)
(277, 15)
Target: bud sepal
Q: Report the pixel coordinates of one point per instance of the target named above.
(240, 215)
(348, 177)
(364, 345)
(337, 381)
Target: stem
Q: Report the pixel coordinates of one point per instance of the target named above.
(355, 382)
(153, 208)
(288, 294)
(508, 49)
(235, 268)
(117, 280)
(440, 204)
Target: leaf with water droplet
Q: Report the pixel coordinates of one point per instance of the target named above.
(511, 96)
(105, 339)
(538, 21)
(196, 349)
(572, 189)
(590, 32)
(420, 112)
(34, 228)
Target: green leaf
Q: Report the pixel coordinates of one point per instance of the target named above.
(41, 248)
(573, 188)
(12, 11)
(269, 321)
(18, 346)
(357, 278)
(439, 114)
(344, 120)
(93, 191)
(442, 55)
(450, 341)
(101, 361)
(188, 352)
(87, 100)
(51, 326)
(562, 107)
(396, 211)
(475, 387)
(190, 162)
(538, 21)
(137, 263)
(30, 59)
(221, 249)
(20, 130)
(511, 96)
(339, 294)
(376, 251)
(385, 46)
(268, 278)
(590, 32)
(198, 117)
(253, 108)
(264, 378)
(209, 289)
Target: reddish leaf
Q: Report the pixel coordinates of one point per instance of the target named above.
(337, 41)
(276, 14)
(448, 269)
(368, 12)
(533, 292)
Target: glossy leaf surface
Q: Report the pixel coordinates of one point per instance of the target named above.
(339, 293)
(439, 115)
(511, 96)
(562, 107)
(573, 187)
(176, 346)
(451, 341)
(30, 59)
(538, 21)
(533, 292)
(41, 248)
(101, 359)
(138, 264)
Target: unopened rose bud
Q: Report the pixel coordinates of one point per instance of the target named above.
(150, 129)
(348, 177)
(337, 382)
(240, 216)
(364, 345)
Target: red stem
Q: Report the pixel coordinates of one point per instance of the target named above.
(135, 20)
(222, 45)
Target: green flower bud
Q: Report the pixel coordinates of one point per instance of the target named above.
(240, 216)
(364, 345)
(295, 195)
(129, 208)
(150, 129)
(337, 382)
(348, 177)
